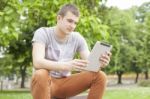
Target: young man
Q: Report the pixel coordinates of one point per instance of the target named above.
(53, 52)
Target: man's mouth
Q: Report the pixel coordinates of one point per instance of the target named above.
(70, 30)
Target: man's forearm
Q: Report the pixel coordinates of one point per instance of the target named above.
(49, 65)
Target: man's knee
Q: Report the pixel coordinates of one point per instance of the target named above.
(101, 76)
(40, 74)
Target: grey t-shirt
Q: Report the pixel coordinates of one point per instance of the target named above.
(56, 51)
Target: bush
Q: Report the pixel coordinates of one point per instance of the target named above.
(144, 83)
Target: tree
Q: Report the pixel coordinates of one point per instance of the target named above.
(143, 18)
(121, 29)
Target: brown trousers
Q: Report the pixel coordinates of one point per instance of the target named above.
(44, 87)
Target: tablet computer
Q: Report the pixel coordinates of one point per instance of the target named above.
(98, 49)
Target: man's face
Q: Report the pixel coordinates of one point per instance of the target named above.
(67, 23)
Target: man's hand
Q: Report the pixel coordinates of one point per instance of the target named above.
(105, 59)
(74, 64)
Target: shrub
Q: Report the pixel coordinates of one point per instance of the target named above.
(144, 83)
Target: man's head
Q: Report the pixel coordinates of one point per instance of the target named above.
(67, 18)
(69, 8)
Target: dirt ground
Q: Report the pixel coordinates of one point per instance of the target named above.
(128, 80)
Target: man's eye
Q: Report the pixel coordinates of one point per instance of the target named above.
(70, 21)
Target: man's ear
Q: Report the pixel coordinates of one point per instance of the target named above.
(59, 17)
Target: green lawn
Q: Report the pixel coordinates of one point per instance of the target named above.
(15, 95)
(128, 93)
(115, 93)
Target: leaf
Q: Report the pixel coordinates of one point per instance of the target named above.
(16, 35)
(1, 13)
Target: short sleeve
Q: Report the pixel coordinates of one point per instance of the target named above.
(82, 44)
(40, 36)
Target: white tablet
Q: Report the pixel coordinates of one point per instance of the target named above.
(98, 49)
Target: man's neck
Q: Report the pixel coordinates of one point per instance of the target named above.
(60, 36)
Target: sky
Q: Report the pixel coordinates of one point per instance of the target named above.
(125, 4)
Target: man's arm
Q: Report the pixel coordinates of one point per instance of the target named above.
(39, 61)
(84, 54)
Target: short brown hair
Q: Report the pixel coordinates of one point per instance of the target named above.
(68, 7)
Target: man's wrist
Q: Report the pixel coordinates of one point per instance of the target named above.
(62, 66)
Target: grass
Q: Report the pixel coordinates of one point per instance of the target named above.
(15, 95)
(111, 93)
(128, 93)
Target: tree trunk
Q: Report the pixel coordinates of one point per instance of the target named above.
(146, 74)
(23, 74)
(137, 77)
(119, 74)
(119, 79)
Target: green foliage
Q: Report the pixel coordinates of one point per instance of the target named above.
(129, 35)
(92, 29)
(6, 65)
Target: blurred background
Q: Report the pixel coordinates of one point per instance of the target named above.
(123, 23)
